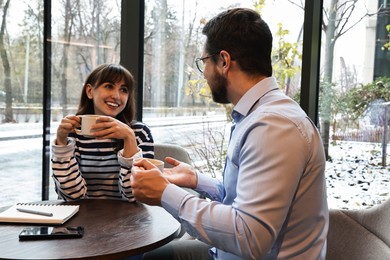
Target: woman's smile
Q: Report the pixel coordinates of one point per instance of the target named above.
(110, 98)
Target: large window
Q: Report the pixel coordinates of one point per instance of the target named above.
(44, 63)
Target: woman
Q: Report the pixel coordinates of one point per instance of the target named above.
(100, 167)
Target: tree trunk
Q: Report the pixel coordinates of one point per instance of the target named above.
(160, 59)
(7, 68)
(328, 74)
(65, 55)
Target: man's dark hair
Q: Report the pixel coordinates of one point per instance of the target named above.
(245, 35)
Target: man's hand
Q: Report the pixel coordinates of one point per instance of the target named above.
(147, 182)
(181, 174)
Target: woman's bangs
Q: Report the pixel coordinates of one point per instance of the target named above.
(113, 75)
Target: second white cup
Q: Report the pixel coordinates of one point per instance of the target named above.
(158, 163)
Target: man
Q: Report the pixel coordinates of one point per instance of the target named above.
(272, 202)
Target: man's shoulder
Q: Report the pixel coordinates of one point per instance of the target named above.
(279, 105)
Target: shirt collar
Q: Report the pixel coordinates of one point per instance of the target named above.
(249, 99)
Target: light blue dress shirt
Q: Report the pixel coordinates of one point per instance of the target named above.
(272, 201)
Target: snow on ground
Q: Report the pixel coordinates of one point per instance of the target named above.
(355, 176)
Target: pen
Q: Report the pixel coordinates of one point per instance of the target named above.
(48, 214)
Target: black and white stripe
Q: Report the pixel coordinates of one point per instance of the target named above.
(89, 168)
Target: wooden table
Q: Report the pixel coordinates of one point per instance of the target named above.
(114, 229)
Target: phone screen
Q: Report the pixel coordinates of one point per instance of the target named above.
(45, 232)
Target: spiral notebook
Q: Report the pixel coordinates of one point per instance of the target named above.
(38, 213)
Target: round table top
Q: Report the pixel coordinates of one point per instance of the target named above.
(114, 229)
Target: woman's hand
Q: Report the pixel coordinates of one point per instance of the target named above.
(107, 127)
(66, 126)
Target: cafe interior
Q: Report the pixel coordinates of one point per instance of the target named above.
(322, 51)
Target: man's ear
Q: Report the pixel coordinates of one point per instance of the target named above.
(225, 56)
(88, 91)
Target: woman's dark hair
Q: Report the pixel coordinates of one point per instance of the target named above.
(245, 35)
(113, 73)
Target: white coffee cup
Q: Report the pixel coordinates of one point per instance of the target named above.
(86, 122)
(158, 163)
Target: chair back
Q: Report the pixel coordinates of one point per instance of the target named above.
(359, 234)
(171, 150)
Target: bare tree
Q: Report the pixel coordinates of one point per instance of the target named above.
(32, 41)
(337, 21)
(69, 22)
(162, 51)
(85, 39)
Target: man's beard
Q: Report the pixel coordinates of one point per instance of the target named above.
(218, 89)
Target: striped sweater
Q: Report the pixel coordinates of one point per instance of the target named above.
(90, 168)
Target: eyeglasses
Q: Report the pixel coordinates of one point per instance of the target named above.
(200, 62)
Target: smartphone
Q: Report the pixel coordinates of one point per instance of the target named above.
(45, 232)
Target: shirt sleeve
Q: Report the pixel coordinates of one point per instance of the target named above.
(144, 138)
(69, 183)
(209, 187)
(145, 149)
